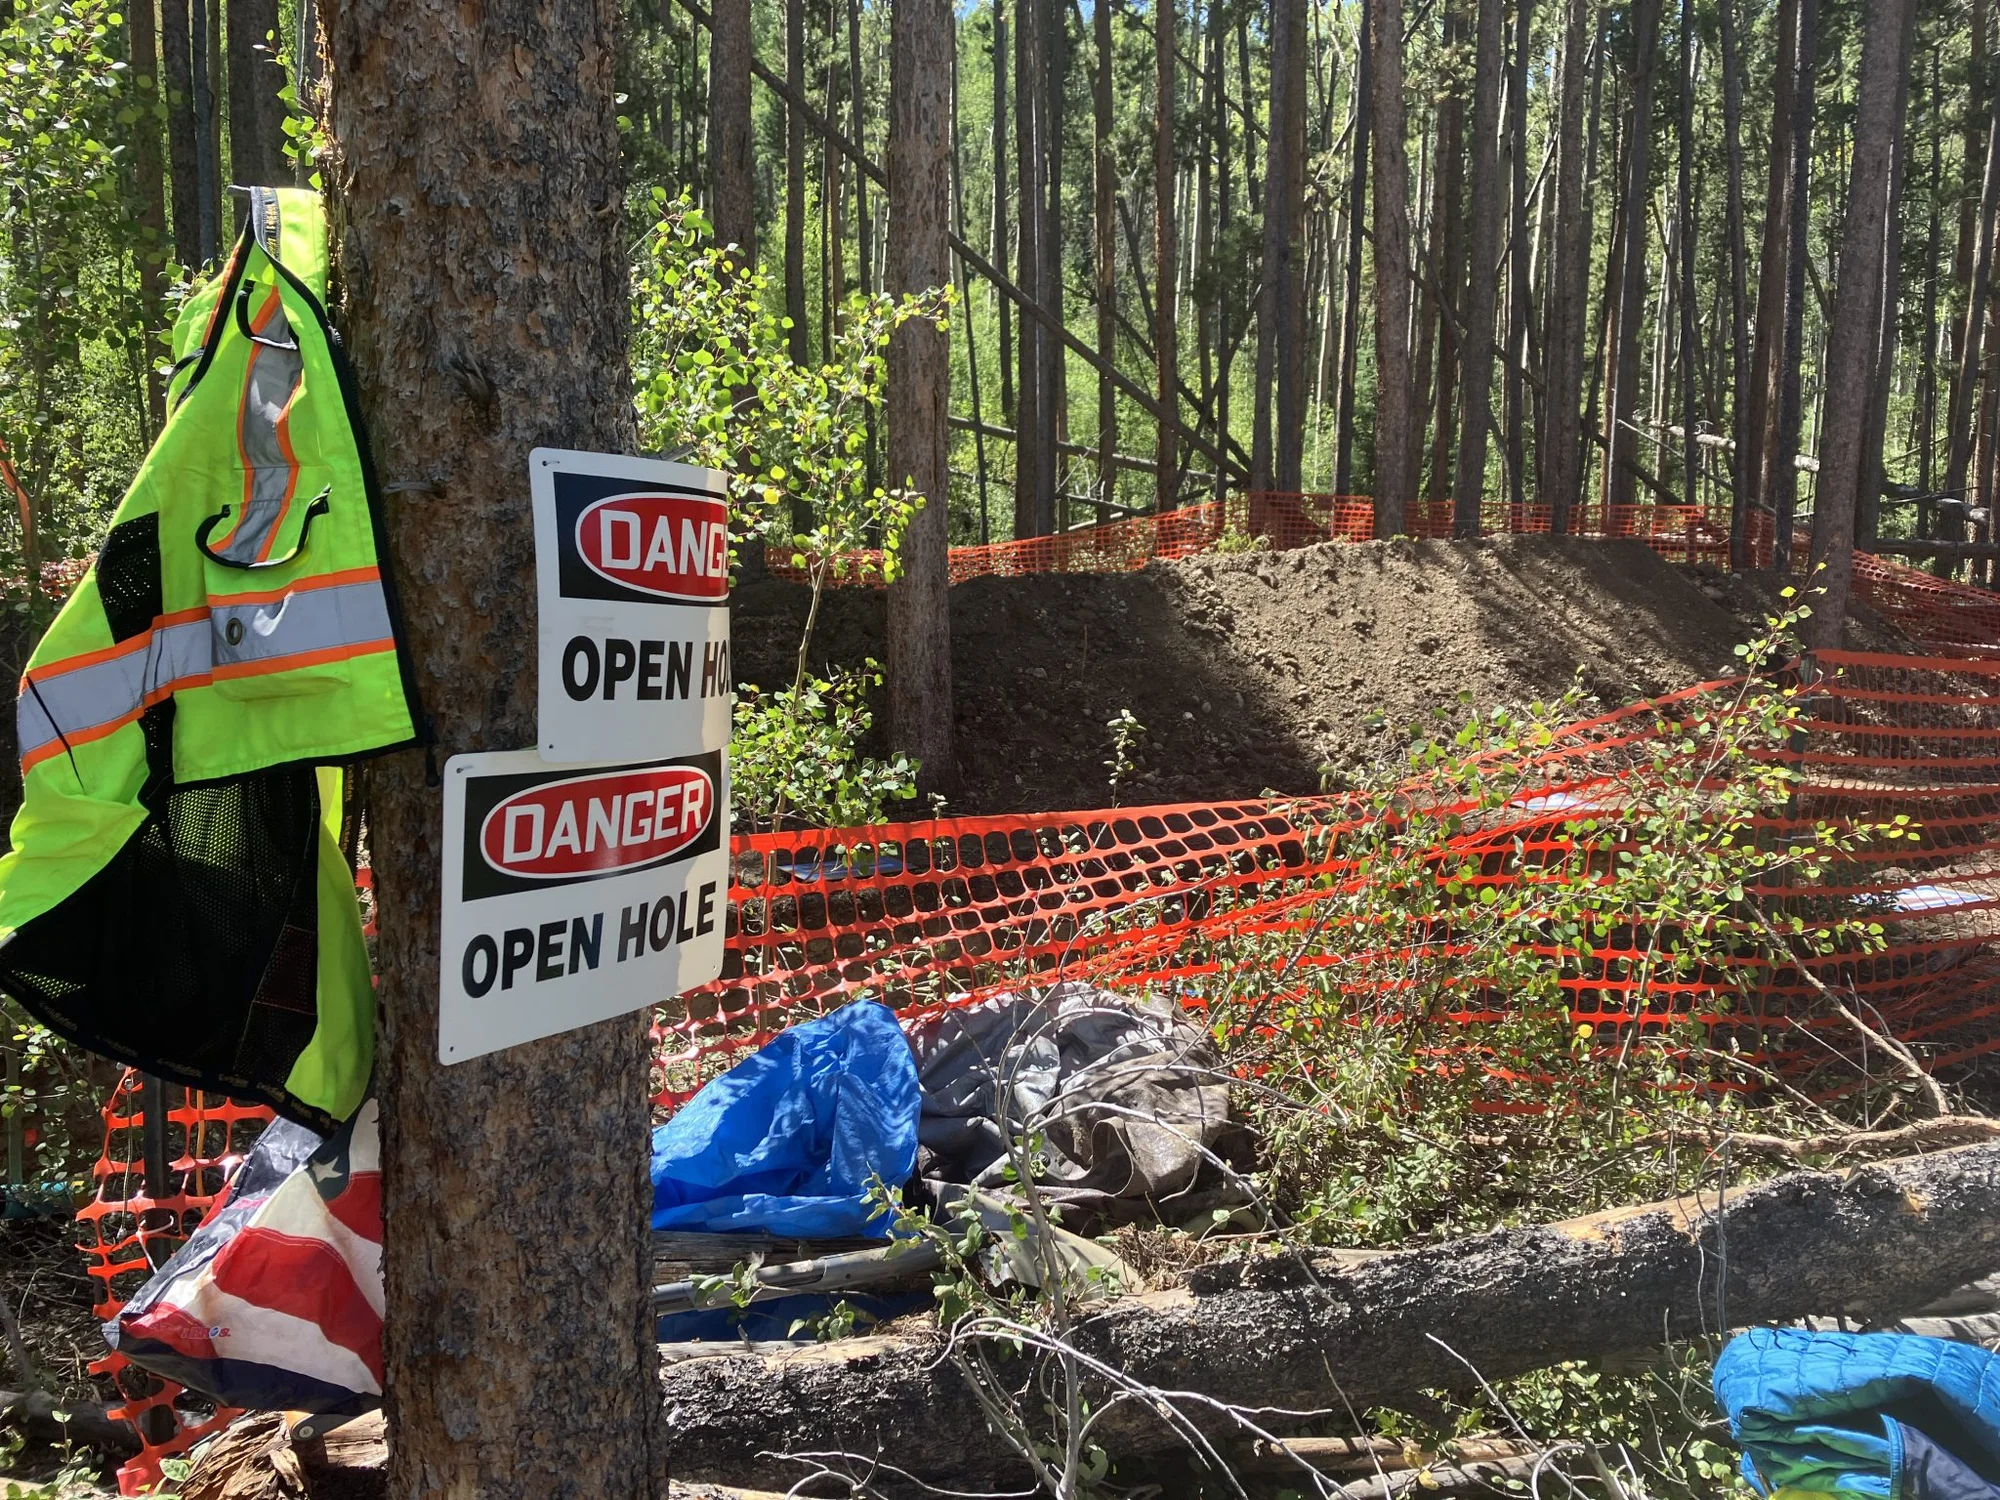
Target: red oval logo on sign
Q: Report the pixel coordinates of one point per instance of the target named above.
(598, 825)
(669, 546)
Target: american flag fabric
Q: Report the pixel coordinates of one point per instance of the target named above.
(275, 1301)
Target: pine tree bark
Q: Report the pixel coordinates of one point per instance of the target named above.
(1035, 460)
(795, 184)
(204, 58)
(1868, 497)
(1623, 360)
(1780, 466)
(482, 246)
(732, 172)
(1395, 446)
(1469, 481)
(1445, 266)
(919, 249)
(1978, 289)
(1853, 338)
(176, 71)
(1561, 476)
(256, 112)
(1767, 378)
(1522, 259)
(1741, 474)
(1357, 222)
(150, 182)
(1002, 250)
(1687, 234)
(1276, 434)
(1166, 260)
(1104, 246)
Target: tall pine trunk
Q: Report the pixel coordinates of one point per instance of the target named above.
(795, 183)
(1855, 334)
(1767, 377)
(1104, 248)
(1623, 360)
(1741, 474)
(177, 76)
(1395, 446)
(1687, 236)
(1469, 482)
(256, 110)
(732, 172)
(1780, 463)
(483, 323)
(1166, 259)
(919, 247)
(1561, 468)
(150, 184)
(1002, 238)
(1275, 451)
(1357, 223)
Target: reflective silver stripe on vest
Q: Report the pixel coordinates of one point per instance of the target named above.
(265, 219)
(85, 703)
(268, 387)
(348, 614)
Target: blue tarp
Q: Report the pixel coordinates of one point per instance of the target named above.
(789, 1140)
(1870, 1416)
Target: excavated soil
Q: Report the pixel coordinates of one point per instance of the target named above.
(1260, 671)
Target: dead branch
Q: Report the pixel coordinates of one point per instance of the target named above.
(44, 1419)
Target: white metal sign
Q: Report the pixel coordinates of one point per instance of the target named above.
(632, 578)
(573, 894)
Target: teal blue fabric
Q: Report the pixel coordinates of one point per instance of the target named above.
(789, 1140)
(1833, 1413)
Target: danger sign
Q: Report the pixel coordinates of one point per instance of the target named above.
(574, 894)
(632, 573)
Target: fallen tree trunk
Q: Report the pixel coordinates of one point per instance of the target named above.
(42, 1418)
(1874, 1242)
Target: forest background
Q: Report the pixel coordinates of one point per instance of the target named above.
(1606, 188)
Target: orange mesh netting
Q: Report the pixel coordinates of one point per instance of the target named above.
(128, 1234)
(1682, 532)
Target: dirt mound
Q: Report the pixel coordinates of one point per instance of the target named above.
(1257, 671)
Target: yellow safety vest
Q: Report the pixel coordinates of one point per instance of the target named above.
(176, 896)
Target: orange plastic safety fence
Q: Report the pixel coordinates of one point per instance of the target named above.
(1276, 521)
(126, 1234)
(929, 914)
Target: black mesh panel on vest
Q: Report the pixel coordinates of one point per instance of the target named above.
(193, 953)
(128, 576)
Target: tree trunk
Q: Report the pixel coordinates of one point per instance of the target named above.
(1875, 431)
(1521, 260)
(1623, 359)
(1767, 378)
(795, 185)
(1687, 234)
(1166, 260)
(1395, 482)
(1880, 1242)
(732, 171)
(1469, 483)
(1357, 223)
(1569, 277)
(1054, 402)
(1001, 248)
(1279, 307)
(1446, 266)
(150, 182)
(1030, 162)
(1741, 474)
(176, 71)
(486, 320)
(919, 625)
(204, 55)
(1977, 291)
(1779, 462)
(256, 112)
(1856, 327)
(1104, 247)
